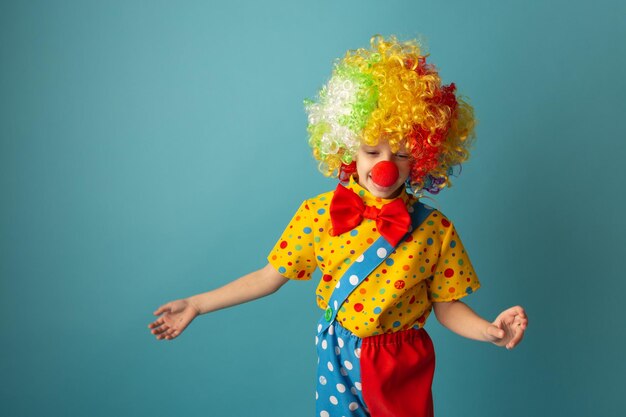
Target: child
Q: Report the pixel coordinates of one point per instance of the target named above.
(387, 128)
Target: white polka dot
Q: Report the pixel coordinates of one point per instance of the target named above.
(381, 252)
(353, 406)
(358, 385)
(317, 396)
(410, 209)
(323, 380)
(354, 279)
(333, 400)
(317, 340)
(340, 342)
(357, 352)
(343, 371)
(341, 388)
(360, 258)
(353, 390)
(348, 365)
(331, 330)
(319, 328)
(324, 344)
(324, 414)
(330, 366)
(338, 284)
(335, 304)
(337, 350)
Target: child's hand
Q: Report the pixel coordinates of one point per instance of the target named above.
(176, 317)
(508, 328)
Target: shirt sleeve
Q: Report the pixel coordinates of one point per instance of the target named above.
(453, 275)
(293, 256)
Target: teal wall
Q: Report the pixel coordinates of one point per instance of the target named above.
(151, 150)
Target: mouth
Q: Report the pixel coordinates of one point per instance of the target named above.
(382, 189)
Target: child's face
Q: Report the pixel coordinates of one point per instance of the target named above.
(368, 156)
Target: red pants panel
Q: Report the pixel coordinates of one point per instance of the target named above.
(397, 373)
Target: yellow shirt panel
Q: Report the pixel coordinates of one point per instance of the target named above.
(430, 265)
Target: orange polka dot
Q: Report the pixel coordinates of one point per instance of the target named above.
(362, 290)
(406, 267)
(370, 240)
(451, 290)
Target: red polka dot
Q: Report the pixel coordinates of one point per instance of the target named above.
(448, 272)
(358, 307)
(327, 278)
(399, 284)
(433, 268)
(412, 300)
(283, 244)
(452, 290)
(301, 273)
(445, 223)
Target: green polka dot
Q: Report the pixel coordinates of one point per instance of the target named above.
(460, 261)
(298, 247)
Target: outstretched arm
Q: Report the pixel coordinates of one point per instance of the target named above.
(506, 330)
(176, 315)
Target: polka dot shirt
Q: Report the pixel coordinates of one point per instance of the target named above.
(430, 265)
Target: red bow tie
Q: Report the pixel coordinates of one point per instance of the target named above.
(347, 211)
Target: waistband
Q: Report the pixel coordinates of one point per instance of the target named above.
(394, 338)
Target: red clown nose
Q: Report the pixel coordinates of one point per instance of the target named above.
(385, 173)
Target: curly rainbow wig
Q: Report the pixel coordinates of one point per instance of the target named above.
(389, 92)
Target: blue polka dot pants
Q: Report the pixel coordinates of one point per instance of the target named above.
(388, 375)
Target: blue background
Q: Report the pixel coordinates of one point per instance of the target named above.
(153, 150)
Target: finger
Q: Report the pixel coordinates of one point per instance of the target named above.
(163, 308)
(495, 333)
(160, 330)
(171, 334)
(517, 337)
(156, 323)
(517, 311)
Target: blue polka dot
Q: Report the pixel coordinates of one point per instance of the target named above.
(282, 270)
(321, 211)
(307, 230)
(396, 324)
(319, 258)
(429, 241)
(377, 310)
(469, 290)
(354, 232)
(453, 243)
(389, 261)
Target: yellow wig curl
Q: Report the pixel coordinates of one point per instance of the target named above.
(389, 92)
